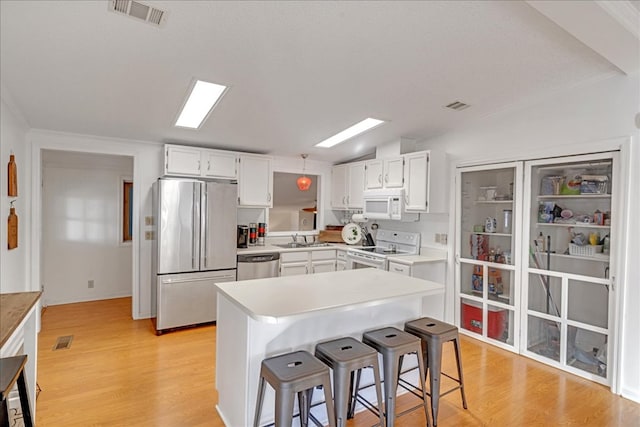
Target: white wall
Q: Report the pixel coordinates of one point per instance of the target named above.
(147, 167)
(574, 121)
(81, 228)
(14, 268)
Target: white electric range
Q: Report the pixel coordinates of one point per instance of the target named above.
(388, 243)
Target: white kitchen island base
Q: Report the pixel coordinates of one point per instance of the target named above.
(265, 317)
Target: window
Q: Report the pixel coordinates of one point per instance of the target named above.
(127, 211)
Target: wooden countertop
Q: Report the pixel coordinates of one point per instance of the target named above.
(13, 308)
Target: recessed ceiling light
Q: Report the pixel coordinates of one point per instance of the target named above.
(204, 96)
(354, 130)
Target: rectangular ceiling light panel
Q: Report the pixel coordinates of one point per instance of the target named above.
(348, 133)
(204, 96)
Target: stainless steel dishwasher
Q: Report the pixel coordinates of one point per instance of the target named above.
(258, 266)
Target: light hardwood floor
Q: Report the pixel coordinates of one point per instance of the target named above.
(119, 373)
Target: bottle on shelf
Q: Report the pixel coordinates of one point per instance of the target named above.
(540, 242)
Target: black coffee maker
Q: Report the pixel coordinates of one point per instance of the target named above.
(243, 236)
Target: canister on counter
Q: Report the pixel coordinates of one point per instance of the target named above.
(253, 234)
(262, 228)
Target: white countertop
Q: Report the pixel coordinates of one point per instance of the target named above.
(278, 299)
(272, 248)
(427, 255)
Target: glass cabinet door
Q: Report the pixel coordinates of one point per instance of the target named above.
(568, 292)
(488, 223)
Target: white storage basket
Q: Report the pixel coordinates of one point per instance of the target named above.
(586, 250)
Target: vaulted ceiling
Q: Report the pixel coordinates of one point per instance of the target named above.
(300, 71)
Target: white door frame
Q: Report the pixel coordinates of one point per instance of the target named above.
(40, 140)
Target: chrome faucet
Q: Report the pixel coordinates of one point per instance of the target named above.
(295, 237)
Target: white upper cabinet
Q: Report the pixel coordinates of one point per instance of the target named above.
(255, 182)
(220, 164)
(416, 181)
(384, 173)
(347, 186)
(339, 185)
(182, 161)
(200, 162)
(394, 172)
(356, 186)
(373, 174)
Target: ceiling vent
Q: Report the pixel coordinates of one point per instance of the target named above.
(139, 11)
(457, 106)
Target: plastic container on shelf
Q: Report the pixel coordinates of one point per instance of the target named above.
(472, 319)
(585, 250)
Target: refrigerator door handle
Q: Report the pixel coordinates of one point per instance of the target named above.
(203, 227)
(196, 226)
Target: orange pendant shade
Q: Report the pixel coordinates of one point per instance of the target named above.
(303, 183)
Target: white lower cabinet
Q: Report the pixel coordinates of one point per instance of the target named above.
(307, 262)
(396, 267)
(341, 260)
(434, 271)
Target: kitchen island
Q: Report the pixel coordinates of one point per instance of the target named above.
(265, 317)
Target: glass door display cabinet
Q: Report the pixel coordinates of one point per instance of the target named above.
(487, 260)
(567, 300)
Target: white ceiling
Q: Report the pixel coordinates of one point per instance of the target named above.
(301, 71)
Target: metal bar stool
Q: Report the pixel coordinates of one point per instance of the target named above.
(344, 356)
(393, 344)
(12, 370)
(290, 374)
(434, 334)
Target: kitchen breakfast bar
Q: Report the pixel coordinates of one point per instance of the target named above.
(266, 317)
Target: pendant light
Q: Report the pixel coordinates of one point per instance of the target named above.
(304, 182)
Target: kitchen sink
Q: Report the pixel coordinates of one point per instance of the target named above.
(292, 245)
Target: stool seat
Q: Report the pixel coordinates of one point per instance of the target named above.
(293, 370)
(290, 374)
(434, 334)
(432, 328)
(393, 344)
(12, 371)
(344, 356)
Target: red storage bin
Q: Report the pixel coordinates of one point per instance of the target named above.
(472, 319)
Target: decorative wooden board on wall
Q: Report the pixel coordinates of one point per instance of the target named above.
(13, 177)
(12, 230)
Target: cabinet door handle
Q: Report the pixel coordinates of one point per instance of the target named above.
(198, 164)
(386, 177)
(209, 165)
(397, 269)
(268, 197)
(306, 269)
(380, 178)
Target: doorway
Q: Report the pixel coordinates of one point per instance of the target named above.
(85, 208)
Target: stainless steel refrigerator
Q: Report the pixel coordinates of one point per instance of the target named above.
(193, 248)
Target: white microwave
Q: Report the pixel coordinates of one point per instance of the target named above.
(386, 204)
